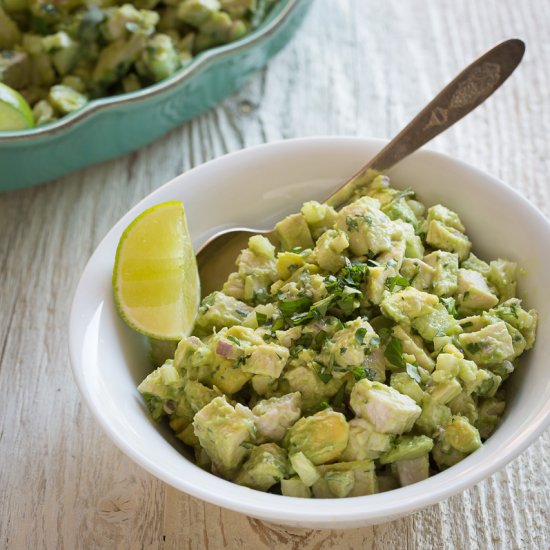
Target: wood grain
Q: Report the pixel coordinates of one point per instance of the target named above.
(357, 67)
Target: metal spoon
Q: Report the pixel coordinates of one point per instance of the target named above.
(216, 258)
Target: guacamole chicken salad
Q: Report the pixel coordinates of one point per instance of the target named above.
(367, 350)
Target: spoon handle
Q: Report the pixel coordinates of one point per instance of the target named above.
(462, 95)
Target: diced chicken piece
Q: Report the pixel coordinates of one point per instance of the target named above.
(368, 228)
(473, 293)
(273, 417)
(387, 409)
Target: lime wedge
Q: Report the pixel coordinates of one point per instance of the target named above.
(15, 112)
(155, 279)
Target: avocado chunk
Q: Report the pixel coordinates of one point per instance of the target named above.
(413, 345)
(414, 248)
(443, 392)
(328, 251)
(436, 322)
(162, 388)
(293, 232)
(399, 209)
(226, 433)
(199, 395)
(339, 483)
(489, 413)
(464, 405)
(434, 415)
(419, 273)
(116, 58)
(354, 478)
(364, 441)
(196, 358)
(475, 264)
(448, 238)
(266, 465)
(349, 347)
(502, 274)
(321, 437)
(9, 33)
(388, 410)
(305, 469)
(522, 320)
(376, 283)
(403, 383)
(295, 487)
(445, 216)
(461, 435)
(445, 277)
(319, 217)
(407, 448)
(314, 391)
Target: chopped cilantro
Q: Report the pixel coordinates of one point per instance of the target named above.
(261, 318)
(353, 223)
(394, 353)
(321, 306)
(450, 305)
(486, 386)
(385, 335)
(297, 305)
(412, 371)
(363, 372)
(406, 193)
(398, 280)
(360, 335)
(338, 399)
(322, 372)
(474, 347)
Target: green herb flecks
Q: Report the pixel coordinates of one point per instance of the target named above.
(450, 306)
(412, 371)
(394, 353)
(398, 280)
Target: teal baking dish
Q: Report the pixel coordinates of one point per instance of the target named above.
(108, 127)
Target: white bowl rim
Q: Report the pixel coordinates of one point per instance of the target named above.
(371, 509)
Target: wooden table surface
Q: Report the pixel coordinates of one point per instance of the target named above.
(357, 67)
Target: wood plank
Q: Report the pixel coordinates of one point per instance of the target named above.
(356, 68)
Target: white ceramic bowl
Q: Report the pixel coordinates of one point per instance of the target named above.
(257, 187)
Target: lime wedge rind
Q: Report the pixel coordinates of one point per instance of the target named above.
(15, 112)
(155, 278)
